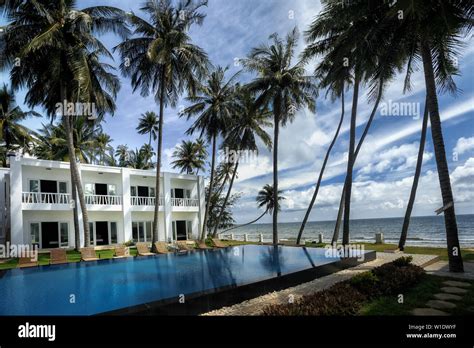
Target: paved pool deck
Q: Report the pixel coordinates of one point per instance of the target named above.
(255, 306)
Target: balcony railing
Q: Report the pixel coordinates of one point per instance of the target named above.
(103, 199)
(145, 201)
(46, 198)
(184, 202)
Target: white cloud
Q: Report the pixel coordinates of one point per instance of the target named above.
(464, 145)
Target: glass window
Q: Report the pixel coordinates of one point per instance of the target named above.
(187, 193)
(135, 232)
(133, 191)
(173, 228)
(172, 193)
(91, 232)
(112, 190)
(141, 232)
(189, 229)
(152, 192)
(35, 233)
(62, 187)
(113, 232)
(89, 189)
(148, 231)
(34, 185)
(64, 234)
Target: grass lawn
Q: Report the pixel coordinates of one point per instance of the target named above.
(418, 296)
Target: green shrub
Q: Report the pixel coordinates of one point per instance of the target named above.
(394, 279)
(367, 283)
(403, 261)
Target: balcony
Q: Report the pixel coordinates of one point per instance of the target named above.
(145, 201)
(184, 202)
(46, 198)
(103, 199)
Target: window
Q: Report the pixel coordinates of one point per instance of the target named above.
(152, 192)
(141, 232)
(135, 232)
(113, 232)
(187, 193)
(34, 185)
(62, 187)
(189, 227)
(91, 233)
(133, 191)
(148, 231)
(89, 189)
(112, 190)
(35, 233)
(63, 234)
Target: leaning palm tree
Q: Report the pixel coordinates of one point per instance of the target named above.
(12, 132)
(161, 59)
(282, 86)
(61, 64)
(242, 135)
(433, 30)
(213, 106)
(265, 198)
(148, 124)
(188, 157)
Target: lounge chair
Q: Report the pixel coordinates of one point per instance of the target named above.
(161, 248)
(121, 252)
(142, 249)
(28, 259)
(218, 243)
(58, 256)
(202, 245)
(88, 254)
(183, 246)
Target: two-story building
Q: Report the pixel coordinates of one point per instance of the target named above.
(120, 204)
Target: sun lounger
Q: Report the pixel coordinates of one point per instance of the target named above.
(183, 246)
(121, 252)
(88, 254)
(218, 243)
(58, 256)
(161, 248)
(28, 259)
(142, 249)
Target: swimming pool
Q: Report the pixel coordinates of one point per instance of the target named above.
(110, 285)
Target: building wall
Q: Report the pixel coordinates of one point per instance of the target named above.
(4, 202)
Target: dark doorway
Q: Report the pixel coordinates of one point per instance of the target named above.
(101, 233)
(101, 189)
(48, 186)
(142, 191)
(181, 230)
(49, 235)
(178, 193)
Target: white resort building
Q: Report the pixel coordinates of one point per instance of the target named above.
(37, 208)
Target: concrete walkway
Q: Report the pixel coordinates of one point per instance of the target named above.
(441, 268)
(255, 306)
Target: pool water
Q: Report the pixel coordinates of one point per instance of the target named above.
(107, 285)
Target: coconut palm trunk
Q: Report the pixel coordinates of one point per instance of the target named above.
(321, 173)
(77, 238)
(155, 236)
(419, 163)
(350, 163)
(276, 135)
(211, 187)
(226, 199)
(454, 249)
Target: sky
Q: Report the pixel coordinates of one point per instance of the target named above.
(386, 164)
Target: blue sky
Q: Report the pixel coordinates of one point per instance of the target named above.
(386, 163)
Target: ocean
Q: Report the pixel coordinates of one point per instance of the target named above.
(423, 231)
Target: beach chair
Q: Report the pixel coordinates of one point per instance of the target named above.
(184, 246)
(88, 254)
(161, 248)
(58, 256)
(142, 249)
(218, 243)
(121, 252)
(28, 259)
(202, 245)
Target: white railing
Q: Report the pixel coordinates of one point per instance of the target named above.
(145, 201)
(184, 202)
(103, 199)
(46, 198)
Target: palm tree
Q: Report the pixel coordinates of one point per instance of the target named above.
(148, 124)
(246, 127)
(265, 198)
(433, 30)
(419, 163)
(147, 152)
(162, 59)
(102, 146)
(189, 157)
(122, 153)
(60, 57)
(282, 86)
(213, 106)
(12, 133)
